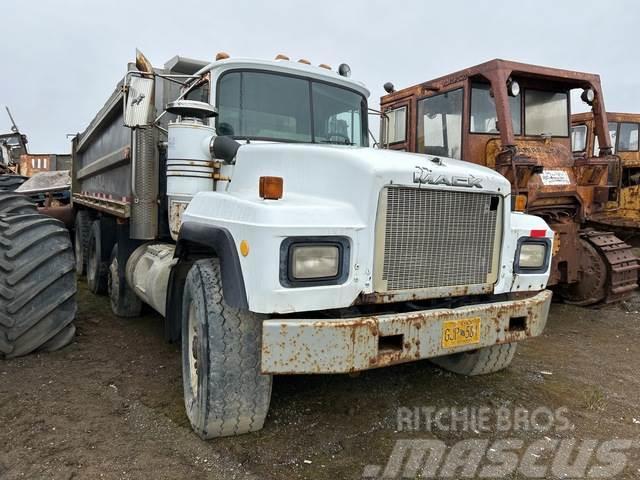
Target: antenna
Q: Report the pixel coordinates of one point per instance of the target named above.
(15, 129)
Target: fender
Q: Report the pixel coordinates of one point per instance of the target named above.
(197, 241)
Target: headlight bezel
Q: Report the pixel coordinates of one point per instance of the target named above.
(287, 248)
(545, 242)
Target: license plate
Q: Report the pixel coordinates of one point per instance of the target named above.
(461, 332)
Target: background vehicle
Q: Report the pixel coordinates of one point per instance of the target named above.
(239, 199)
(622, 214)
(12, 146)
(44, 178)
(515, 118)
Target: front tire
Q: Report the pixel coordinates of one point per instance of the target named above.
(478, 362)
(224, 391)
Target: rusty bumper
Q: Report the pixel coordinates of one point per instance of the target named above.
(348, 345)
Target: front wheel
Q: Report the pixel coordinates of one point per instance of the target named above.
(224, 391)
(478, 362)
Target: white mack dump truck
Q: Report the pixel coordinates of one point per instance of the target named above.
(239, 199)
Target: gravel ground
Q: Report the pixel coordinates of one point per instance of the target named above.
(110, 405)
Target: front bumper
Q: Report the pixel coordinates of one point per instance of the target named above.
(292, 346)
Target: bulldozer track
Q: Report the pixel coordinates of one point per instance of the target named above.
(622, 265)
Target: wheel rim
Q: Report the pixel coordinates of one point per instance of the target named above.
(193, 350)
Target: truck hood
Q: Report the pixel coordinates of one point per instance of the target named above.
(350, 173)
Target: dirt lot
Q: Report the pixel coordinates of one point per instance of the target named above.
(110, 405)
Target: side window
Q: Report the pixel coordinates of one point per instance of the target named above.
(628, 137)
(440, 124)
(199, 92)
(397, 125)
(579, 138)
(484, 118)
(613, 135)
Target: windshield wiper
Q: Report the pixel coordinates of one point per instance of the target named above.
(335, 142)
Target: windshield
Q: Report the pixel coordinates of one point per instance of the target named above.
(484, 118)
(268, 106)
(546, 113)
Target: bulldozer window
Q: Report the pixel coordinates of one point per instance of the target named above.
(397, 125)
(613, 135)
(628, 137)
(546, 113)
(579, 138)
(440, 124)
(484, 118)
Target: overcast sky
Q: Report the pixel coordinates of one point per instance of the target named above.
(62, 59)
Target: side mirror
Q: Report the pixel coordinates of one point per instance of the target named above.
(138, 109)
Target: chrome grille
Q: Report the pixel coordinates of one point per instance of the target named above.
(437, 238)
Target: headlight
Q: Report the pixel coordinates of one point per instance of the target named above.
(513, 88)
(314, 261)
(533, 255)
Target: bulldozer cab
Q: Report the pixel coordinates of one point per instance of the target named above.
(516, 119)
(623, 129)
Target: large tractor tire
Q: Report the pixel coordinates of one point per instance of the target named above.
(37, 285)
(479, 362)
(224, 391)
(81, 232)
(8, 183)
(14, 203)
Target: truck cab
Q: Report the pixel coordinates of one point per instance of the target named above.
(249, 210)
(515, 118)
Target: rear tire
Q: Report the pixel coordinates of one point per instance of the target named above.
(478, 362)
(97, 267)
(37, 284)
(14, 204)
(82, 232)
(224, 391)
(124, 301)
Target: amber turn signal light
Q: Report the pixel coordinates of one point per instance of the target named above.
(271, 188)
(519, 203)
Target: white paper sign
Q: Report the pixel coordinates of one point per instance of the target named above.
(555, 177)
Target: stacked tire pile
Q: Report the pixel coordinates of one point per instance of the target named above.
(37, 280)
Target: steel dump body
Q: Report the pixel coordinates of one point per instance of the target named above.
(109, 176)
(563, 189)
(623, 212)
